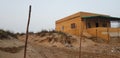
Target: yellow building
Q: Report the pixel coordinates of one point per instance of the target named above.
(97, 25)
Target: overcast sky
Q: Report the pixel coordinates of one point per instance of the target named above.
(14, 13)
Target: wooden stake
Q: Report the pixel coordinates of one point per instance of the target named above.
(118, 30)
(97, 29)
(80, 52)
(108, 32)
(27, 30)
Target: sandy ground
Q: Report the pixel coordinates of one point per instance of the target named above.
(40, 47)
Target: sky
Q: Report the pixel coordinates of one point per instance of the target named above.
(14, 13)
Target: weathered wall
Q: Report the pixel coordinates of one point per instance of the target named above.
(67, 26)
(102, 32)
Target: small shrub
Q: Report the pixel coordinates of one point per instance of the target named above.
(17, 33)
(42, 33)
(53, 31)
(11, 34)
(31, 33)
(7, 34)
(22, 34)
(38, 33)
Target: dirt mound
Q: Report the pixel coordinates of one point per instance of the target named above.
(11, 49)
(11, 45)
(51, 38)
(55, 52)
(52, 44)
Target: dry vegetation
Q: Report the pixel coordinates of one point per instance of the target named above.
(54, 44)
(7, 34)
(55, 36)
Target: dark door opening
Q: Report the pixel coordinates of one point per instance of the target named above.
(97, 25)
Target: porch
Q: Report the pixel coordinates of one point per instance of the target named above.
(101, 26)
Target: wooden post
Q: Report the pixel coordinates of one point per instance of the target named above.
(96, 29)
(81, 35)
(27, 30)
(80, 40)
(118, 28)
(108, 31)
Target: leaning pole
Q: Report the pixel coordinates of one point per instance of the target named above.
(27, 30)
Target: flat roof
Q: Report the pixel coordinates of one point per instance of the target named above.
(78, 14)
(101, 17)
